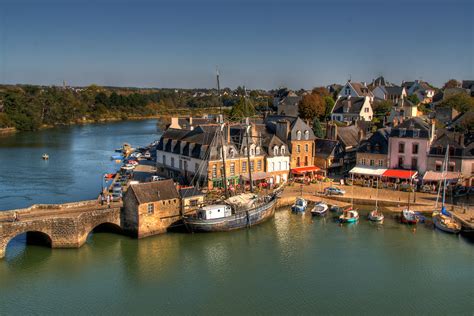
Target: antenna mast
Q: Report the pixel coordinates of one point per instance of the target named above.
(218, 89)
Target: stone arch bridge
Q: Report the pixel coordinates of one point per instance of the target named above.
(62, 225)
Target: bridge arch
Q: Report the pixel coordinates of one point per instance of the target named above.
(32, 237)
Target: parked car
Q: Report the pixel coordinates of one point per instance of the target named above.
(334, 191)
(157, 178)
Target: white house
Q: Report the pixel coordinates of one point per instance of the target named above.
(351, 109)
(389, 93)
(421, 89)
(356, 89)
(277, 160)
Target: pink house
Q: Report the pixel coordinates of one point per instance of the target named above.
(409, 144)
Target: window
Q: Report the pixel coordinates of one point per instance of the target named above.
(232, 168)
(214, 171)
(298, 135)
(416, 133)
(164, 160)
(415, 149)
(305, 160)
(252, 151)
(180, 164)
(252, 166)
(438, 167)
(282, 150)
(347, 91)
(400, 162)
(414, 163)
(440, 150)
(298, 161)
(298, 148)
(245, 151)
(366, 110)
(259, 165)
(151, 208)
(244, 166)
(257, 150)
(279, 165)
(372, 162)
(362, 161)
(275, 150)
(380, 162)
(451, 151)
(306, 148)
(401, 148)
(272, 166)
(402, 132)
(377, 147)
(172, 162)
(306, 135)
(193, 202)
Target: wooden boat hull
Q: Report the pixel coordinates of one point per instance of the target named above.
(439, 225)
(244, 219)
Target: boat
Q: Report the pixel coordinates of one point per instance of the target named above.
(300, 205)
(376, 215)
(349, 215)
(240, 211)
(409, 217)
(45, 156)
(319, 209)
(444, 220)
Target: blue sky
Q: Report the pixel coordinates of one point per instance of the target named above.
(260, 44)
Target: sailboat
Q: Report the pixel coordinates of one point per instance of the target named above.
(444, 220)
(350, 215)
(376, 215)
(240, 211)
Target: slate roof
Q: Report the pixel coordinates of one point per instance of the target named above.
(353, 104)
(467, 84)
(394, 90)
(377, 143)
(462, 144)
(408, 128)
(325, 147)
(349, 135)
(380, 81)
(361, 89)
(154, 191)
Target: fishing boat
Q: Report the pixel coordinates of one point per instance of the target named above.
(240, 211)
(376, 215)
(409, 217)
(443, 220)
(45, 156)
(349, 215)
(300, 205)
(319, 209)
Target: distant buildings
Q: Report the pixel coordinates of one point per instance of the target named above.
(351, 109)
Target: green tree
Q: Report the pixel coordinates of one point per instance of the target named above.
(451, 83)
(413, 99)
(317, 128)
(329, 101)
(311, 106)
(244, 108)
(462, 102)
(382, 108)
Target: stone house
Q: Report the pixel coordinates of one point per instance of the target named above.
(328, 155)
(191, 199)
(373, 151)
(409, 143)
(461, 154)
(150, 208)
(351, 109)
(286, 102)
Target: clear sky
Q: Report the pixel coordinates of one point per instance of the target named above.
(260, 43)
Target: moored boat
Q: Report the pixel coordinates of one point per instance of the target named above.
(409, 217)
(376, 216)
(319, 209)
(45, 156)
(349, 216)
(300, 205)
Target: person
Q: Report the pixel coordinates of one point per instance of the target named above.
(15, 216)
(102, 198)
(108, 200)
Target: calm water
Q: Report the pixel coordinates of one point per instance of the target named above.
(289, 265)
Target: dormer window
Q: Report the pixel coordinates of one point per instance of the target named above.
(416, 133)
(298, 135)
(252, 151)
(231, 153)
(369, 147)
(257, 150)
(377, 147)
(283, 150)
(402, 132)
(306, 135)
(348, 91)
(275, 150)
(245, 151)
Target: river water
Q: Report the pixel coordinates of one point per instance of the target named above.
(292, 264)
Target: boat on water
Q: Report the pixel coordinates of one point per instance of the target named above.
(349, 215)
(409, 217)
(300, 205)
(45, 156)
(444, 220)
(376, 215)
(240, 211)
(319, 209)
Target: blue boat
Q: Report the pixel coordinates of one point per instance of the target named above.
(349, 216)
(300, 205)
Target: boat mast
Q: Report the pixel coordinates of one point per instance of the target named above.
(377, 195)
(226, 193)
(446, 159)
(248, 158)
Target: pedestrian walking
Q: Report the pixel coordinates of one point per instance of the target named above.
(102, 198)
(108, 200)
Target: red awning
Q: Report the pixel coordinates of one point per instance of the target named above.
(302, 170)
(400, 174)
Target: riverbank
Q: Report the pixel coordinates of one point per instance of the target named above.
(7, 131)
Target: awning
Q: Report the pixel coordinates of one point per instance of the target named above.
(302, 170)
(400, 174)
(256, 176)
(368, 171)
(437, 176)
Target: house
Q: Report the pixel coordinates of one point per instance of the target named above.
(328, 155)
(409, 143)
(348, 138)
(334, 88)
(188, 123)
(351, 109)
(461, 155)
(403, 109)
(468, 85)
(445, 114)
(356, 89)
(389, 93)
(377, 82)
(373, 151)
(286, 102)
(299, 139)
(277, 159)
(150, 208)
(421, 89)
(191, 199)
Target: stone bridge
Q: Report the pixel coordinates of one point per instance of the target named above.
(60, 226)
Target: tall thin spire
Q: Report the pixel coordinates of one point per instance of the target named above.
(218, 89)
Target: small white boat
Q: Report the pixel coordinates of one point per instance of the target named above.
(376, 216)
(319, 209)
(300, 205)
(45, 156)
(409, 217)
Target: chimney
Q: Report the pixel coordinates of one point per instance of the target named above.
(461, 139)
(282, 129)
(228, 134)
(364, 84)
(331, 131)
(433, 130)
(361, 134)
(190, 121)
(174, 123)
